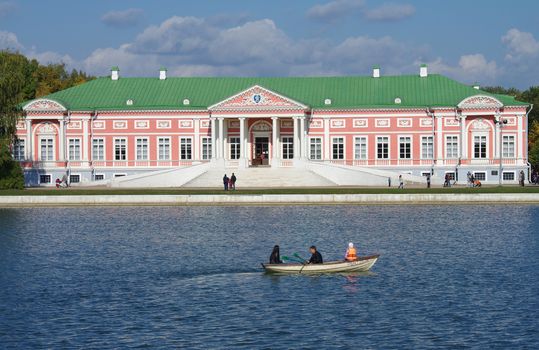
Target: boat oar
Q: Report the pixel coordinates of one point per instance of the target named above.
(304, 262)
(291, 259)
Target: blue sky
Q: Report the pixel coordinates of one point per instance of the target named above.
(492, 42)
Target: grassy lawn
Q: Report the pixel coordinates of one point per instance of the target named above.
(329, 190)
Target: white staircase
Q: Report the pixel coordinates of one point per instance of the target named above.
(261, 177)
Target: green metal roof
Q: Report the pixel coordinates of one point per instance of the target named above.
(344, 92)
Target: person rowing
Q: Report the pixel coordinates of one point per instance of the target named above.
(316, 257)
(350, 253)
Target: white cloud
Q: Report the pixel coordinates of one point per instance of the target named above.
(390, 12)
(470, 68)
(334, 9)
(125, 18)
(9, 41)
(520, 44)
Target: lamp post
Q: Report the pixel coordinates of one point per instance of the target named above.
(501, 123)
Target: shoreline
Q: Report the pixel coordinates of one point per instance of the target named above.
(266, 199)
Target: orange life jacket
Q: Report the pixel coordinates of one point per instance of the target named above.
(351, 254)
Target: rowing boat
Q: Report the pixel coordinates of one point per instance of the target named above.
(361, 264)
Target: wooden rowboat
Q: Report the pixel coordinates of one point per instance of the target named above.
(363, 263)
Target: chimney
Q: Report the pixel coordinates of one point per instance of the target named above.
(423, 71)
(476, 85)
(376, 72)
(115, 73)
(162, 73)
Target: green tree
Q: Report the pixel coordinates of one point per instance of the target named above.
(532, 96)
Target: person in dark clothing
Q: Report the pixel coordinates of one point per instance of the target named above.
(225, 182)
(316, 257)
(275, 257)
(233, 181)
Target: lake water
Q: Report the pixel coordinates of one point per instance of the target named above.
(190, 277)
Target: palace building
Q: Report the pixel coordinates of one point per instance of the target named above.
(306, 131)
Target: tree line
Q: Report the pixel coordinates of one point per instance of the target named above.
(23, 79)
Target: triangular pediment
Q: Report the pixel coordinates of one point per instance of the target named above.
(480, 101)
(256, 98)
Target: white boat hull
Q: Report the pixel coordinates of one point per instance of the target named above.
(360, 265)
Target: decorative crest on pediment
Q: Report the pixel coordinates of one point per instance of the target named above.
(257, 97)
(44, 105)
(480, 124)
(480, 101)
(261, 126)
(46, 129)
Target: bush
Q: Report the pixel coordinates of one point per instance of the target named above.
(11, 174)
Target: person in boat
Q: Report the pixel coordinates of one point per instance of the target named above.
(316, 257)
(350, 253)
(275, 257)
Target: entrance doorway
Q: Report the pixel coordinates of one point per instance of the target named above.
(261, 151)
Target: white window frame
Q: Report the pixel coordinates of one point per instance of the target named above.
(411, 143)
(50, 178)
(99, 174)
(52, 147)
(76, 174)
(160, 156)
(480, 172)
(343, 147)
(509, 172)
(452, 175)
(424, 139)
(143, 156)
(72, 148)
(126, 149)
(485, 135)
(388, 146)
(234, 147)
(365, 148)
(16, 152)
(190, 143)
(453, 143)
(318, 148)
(102, 146)
(288, 145)
(504, 154)
(206, 147)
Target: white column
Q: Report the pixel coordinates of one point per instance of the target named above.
(519, 141)
(243, 144)
(85, 140)
(29, 140)
(221, 143)
(439, 139)
(275, 141)
(213, 139)
(326, 139)
(463, 138)
(61, 142)
(497, 137)
(302, 137)
(296, 139)
(196, 141)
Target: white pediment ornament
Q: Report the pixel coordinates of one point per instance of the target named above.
(44, 105)
(261, 126)
(480, 101)
(480, 124)
(46, 129)
(257, 97)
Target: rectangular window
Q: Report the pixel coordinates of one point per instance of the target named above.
(234, 147)
(427, 148)
(163, 145)
(508, 146)
(74, 179)
(73, 149)
(185, 148)
(315, 148)
(452, 147)
(451, 176)
(98, 149)
(18, 149)
(338, 148)
(288, 147)
(507, 176)
(405, 147)
(44, 179)
(98, 177)
(360, 147)
(480, 146)
(47, 149)
(480, 176)
(206, 148)
(142, 149)
(382, 147)
(120, 149)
